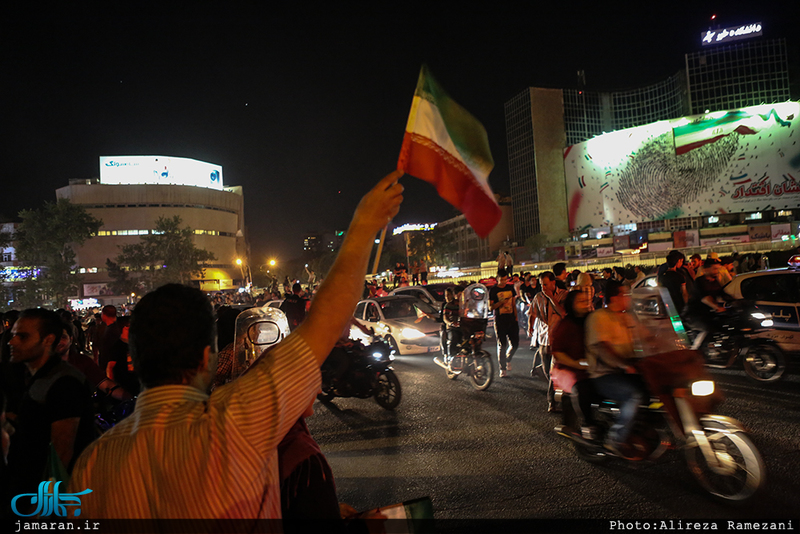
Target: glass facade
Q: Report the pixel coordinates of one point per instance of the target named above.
(522, 165)
(587, 114)
(738, 75)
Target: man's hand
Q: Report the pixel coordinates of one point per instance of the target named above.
(381, 204)
(341, 290)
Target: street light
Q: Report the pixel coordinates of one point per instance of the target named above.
(242, 265)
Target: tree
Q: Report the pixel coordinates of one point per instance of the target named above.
(166, 255)
(45, 238)
(434, 246)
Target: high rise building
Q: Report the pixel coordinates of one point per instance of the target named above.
(542, 123)
(536, 141)
(737, 75)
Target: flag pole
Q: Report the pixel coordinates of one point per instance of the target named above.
(380, 249)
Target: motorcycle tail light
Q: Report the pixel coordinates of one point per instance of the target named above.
(703, 388)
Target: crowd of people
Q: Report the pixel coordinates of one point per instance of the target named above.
(583, 334)
(245, 443)
(202, 419)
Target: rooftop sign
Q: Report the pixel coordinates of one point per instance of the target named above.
(135, 170)
(731, 34)
(413, 228)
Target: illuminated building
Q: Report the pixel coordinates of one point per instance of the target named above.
(738, 75)
(469, 250)
(542, 125)
(134, 191)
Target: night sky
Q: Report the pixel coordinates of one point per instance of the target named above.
(305, 107)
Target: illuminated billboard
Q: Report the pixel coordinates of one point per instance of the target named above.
(730, 34)
(134, 170)
(725, 162)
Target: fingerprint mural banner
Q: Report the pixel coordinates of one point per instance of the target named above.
(726, 162)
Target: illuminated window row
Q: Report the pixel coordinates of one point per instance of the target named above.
(147, 205)
(105, 233)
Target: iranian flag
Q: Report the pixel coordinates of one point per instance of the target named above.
(447, 147)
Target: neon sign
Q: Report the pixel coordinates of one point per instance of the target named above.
(413, 228)
(731, 34)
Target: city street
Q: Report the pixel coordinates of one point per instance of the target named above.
(494, 454)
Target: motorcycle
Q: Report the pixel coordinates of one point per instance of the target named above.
(360, 371)
(717, 449)
(736, 336)
(109, 412)
(469, 358)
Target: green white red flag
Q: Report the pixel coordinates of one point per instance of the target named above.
(447, 147)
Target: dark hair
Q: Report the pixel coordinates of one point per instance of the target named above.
(226, 326)
(608, 270)
(613, 288)
(695, 257)
(674, 257)
(296, 288)
(710, 261)
(569, 304)
(501, 273)
(109, 311)
(547, 274)
(170, 329)
(559, 268)
(49, 323)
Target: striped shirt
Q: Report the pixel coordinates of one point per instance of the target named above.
(185, 454)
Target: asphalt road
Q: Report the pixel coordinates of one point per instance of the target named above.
(494, 454)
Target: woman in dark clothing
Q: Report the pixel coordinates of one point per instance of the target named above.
(569, 371)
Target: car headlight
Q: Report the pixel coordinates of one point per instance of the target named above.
(702, 388)
(766, 323)
(411, 333)
(758, 315)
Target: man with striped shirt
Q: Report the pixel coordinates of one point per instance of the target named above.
(186, 454)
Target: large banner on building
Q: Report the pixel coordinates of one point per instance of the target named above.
(159, 170)
(726, 162)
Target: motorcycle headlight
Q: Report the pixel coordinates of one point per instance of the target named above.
(377, 355)
(758, 315)
(702, 388)
(411, 333)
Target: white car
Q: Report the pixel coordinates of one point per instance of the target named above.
(776, 292)
(407, 323)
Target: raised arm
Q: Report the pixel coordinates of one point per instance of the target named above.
(338, 295)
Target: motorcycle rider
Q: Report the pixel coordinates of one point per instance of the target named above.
(610, 340)
(340, 358)
(706, 300)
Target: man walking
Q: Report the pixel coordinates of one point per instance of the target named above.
(502, 301)
(544, 314)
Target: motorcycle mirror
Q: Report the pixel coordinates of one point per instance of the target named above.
(264, 333)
